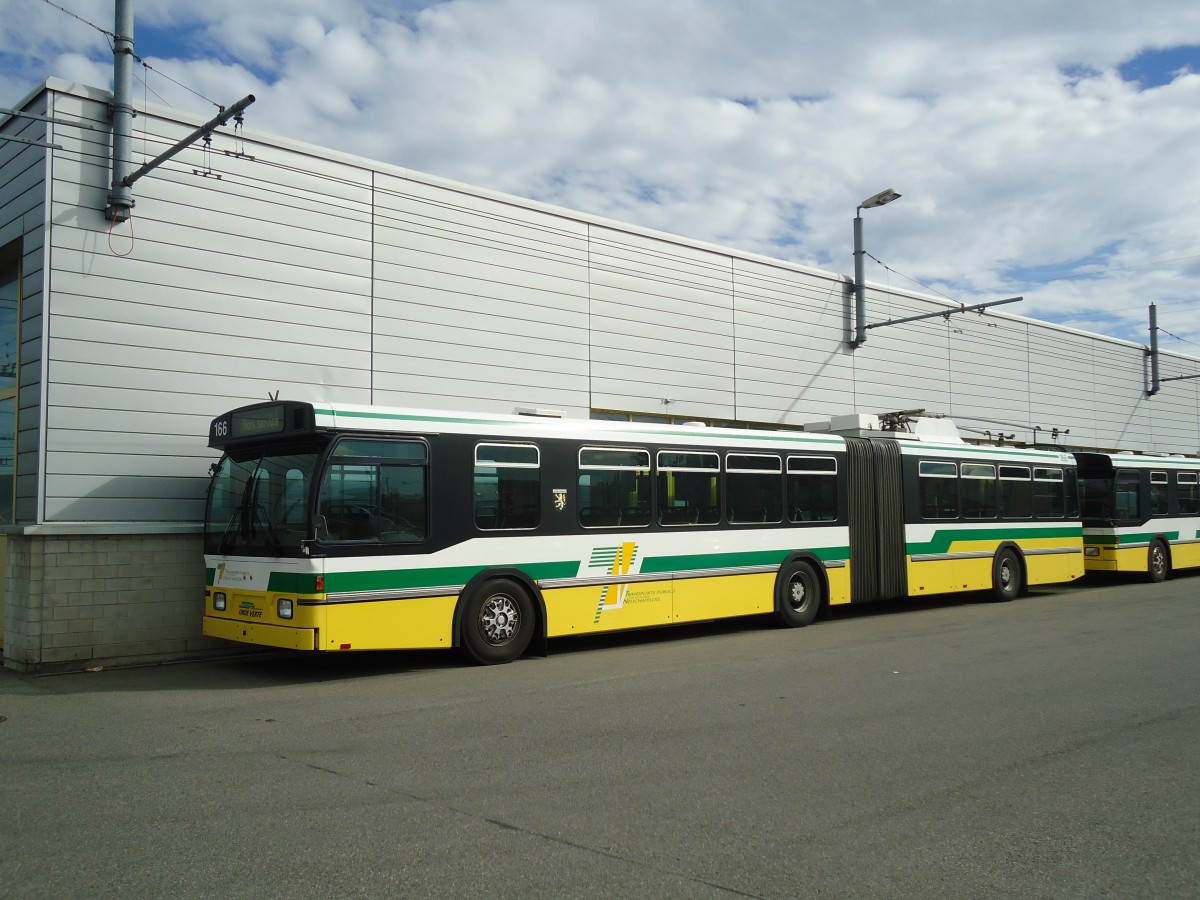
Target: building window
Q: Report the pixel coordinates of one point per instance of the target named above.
(10, 351)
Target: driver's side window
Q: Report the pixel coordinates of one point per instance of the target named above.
(375, 490)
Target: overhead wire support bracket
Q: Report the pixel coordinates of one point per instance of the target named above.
(17, 140)
(28, 115)
(51, 119)
(203, 131)
(946, 312)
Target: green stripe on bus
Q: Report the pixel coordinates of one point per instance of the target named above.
(403, 579)
(944, 537)
(1114, 540)
(292, 583)
(693, 562)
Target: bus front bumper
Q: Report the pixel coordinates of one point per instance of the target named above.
(285, 636)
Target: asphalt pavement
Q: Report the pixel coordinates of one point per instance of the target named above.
(1048, 747)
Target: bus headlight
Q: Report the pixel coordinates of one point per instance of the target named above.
(219, 601)
(1091, 551)
(284, 608)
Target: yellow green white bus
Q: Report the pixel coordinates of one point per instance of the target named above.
(1140, 513)
(335, 527)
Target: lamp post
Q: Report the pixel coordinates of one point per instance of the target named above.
(860, 300)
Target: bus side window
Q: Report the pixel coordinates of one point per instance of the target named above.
(1189, 494)
(687, 487)
(938, 483)
(978, 491)
(1160, 504)
(1049, 494)
(753, 488)
(1128, 486)
(613, 487)
(1016, 493)
(507, 487)
(812, 489)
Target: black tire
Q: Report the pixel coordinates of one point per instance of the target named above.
(497, 622)
(1158, 562)
(799, 595)
(1006, 576)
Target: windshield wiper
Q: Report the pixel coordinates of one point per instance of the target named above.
(224, 543)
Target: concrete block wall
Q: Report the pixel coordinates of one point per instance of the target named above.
(81, 600)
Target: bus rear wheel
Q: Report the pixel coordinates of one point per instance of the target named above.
(1006, 576)
(497, 622)
(799, 595)
(1158, 564)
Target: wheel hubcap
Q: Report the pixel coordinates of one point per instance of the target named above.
(799, 594)
(499, 619)
(1005, 576)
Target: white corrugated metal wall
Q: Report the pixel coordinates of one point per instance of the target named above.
(323, 276)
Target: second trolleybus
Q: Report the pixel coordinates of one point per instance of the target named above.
(1141, 513)
(336, 527)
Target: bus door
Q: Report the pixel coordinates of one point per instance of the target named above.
(878, 568)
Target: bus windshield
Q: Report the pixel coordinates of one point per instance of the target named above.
(258, 504)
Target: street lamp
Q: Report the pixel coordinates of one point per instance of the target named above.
(860, 300)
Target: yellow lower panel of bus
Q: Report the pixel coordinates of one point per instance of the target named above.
(1185, 556)
(1053, 568)
(700, 599)
(1137, 559)
(945, 576)
(410, 624)
(581, 610)
(839, 584)
(285, 636)
(1113, 559)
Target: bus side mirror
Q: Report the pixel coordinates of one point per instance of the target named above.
(320, 528)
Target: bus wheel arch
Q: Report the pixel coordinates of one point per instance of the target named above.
(499, 616)
(801, 590)
(1158, 560)
(1008, 573)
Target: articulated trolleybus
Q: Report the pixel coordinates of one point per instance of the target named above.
(334, 527)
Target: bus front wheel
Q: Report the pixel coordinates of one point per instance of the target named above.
(799, 598)
(1158, 564)
(497, 622)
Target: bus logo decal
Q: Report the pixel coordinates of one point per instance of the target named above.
(617, 560)
(560, 499)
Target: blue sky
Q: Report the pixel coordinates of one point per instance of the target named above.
(1040, 152)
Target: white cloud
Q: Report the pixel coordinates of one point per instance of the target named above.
(1018, 147)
